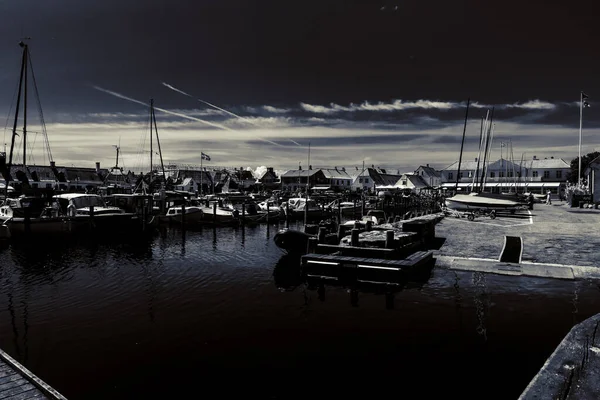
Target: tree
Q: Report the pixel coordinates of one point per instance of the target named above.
(585, 161)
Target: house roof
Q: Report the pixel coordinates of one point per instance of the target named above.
(335, 173)
(84, 174)
(417, 181)
(268, 172)
(430, 171)
(297, 173)
(547, 163)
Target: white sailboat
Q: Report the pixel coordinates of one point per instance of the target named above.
(478, 200)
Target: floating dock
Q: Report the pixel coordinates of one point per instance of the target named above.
(18, 383)
(387, 254)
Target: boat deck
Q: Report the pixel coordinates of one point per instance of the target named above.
(18, 383)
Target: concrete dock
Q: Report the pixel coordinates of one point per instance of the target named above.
(558, 242)
(571, 372)
(18, 383)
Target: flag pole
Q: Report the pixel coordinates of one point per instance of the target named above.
(580, 129)
(201, 173)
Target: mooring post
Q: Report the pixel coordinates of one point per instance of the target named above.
(215, 213)
(363, 206)
(389, 239)
(287, 215)
(354, 238)
(243, 212)
(91, 216)
(182, 215)
(27, 219)
(369, 226)
(322, 234)
(268, 211)
(341, 232)
(312, 245)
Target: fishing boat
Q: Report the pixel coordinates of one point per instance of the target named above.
(188, 215)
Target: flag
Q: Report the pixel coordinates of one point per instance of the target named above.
(584, 101)
(205, 156)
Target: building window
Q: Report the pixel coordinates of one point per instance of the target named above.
(366, 180)
(534, 174)
(461, 175)
(470, 174)
(510, 174)
(546, 174)
(558, 174)
(449, 175)
(501, 174)
(492, 174)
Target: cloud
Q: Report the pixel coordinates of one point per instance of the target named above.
(400, 105)
(275, 110)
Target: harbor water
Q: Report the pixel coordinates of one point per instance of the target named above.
(222, 311)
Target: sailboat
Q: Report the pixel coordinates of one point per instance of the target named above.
(478, 200)
(27, 214)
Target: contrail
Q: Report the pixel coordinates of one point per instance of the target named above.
(121, 96)
(220, 109)
(175, 89)
(210, 105)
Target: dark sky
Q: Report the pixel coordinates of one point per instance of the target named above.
(278, 52)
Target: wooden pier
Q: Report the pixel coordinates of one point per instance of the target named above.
(372, 255)
(18, 383)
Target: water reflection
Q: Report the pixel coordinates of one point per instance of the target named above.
(481, 300)
(458, 301)
(287, 272)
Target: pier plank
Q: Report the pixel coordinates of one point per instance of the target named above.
(18, 383)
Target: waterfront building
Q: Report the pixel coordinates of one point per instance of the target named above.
(413, 182)
(535, 175)
(429, 175)
(269, 179)
(298, 179)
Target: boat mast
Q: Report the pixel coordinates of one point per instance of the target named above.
(580, 129)
(307, 186)
(489, 153)
(162, 165)
(26, 55)
(14, 135)
(151, 112)
(462, 145)
(476, 175)
(487, 146)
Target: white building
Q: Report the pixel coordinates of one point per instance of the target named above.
(535, 175)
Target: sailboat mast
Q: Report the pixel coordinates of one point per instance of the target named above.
(151, 119)
(25, 108)
(462, 145)
(580, 129)
(162, 165)
(489, 153)
(14, 135)
(487, 147)
(476, 174)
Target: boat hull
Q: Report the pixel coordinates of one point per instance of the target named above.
(472, 203)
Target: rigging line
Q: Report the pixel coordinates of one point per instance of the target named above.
(39, 105)
(10, 111)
